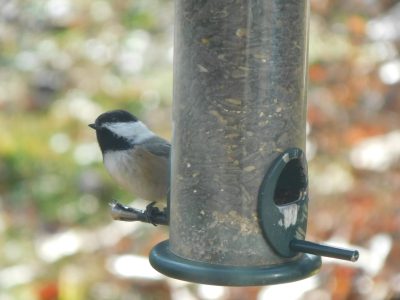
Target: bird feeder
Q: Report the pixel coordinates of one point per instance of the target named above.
(239, 184)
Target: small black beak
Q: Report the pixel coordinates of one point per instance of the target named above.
(93, 126)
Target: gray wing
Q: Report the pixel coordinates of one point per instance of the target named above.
(157, 146)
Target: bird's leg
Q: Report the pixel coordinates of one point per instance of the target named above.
(155, 216)
(151, 215)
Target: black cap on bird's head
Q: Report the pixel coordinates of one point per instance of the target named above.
(113, 130)
(113, 116)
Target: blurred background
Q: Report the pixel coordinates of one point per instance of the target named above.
(62, 62)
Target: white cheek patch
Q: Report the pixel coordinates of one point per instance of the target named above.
(133, 131)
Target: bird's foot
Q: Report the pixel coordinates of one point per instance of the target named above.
(151, 215)
(151, 212)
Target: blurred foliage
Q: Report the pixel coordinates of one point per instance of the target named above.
(62, 62)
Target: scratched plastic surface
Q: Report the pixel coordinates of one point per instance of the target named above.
(239, 100)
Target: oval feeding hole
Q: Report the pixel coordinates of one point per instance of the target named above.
(291, 184)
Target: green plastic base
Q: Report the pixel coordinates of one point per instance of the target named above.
(164, 261)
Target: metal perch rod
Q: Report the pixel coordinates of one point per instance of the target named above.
(323, 250)
(151, 215)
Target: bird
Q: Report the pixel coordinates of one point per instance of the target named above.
(136, 158)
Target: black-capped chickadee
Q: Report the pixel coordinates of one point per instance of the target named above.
(136, 158)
